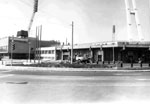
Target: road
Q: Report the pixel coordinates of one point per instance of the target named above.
(103, 87)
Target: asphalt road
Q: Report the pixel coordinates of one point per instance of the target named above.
(103, 87)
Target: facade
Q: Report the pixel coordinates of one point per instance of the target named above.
(21, 47)
(101, 51)
(46, 53)
(108, 51)
(17, 48)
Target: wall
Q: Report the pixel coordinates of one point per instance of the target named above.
(48, 53)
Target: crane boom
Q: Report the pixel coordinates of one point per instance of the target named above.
(129, 24)
(138, 25)
(133, 11)
(35, 9)
(30, 24)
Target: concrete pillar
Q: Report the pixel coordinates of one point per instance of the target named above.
(62, 55)
(131, 64)
(55, 54)
(141, 64)
(121, 64)
(92, 55)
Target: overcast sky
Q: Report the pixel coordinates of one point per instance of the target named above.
(93, 19)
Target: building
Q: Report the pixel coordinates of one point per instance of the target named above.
(46, 53)
(105, 51)
(22, 47)
(17, 48)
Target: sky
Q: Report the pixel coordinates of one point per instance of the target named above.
(93, 19)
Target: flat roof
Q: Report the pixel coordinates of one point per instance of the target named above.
(133, 44)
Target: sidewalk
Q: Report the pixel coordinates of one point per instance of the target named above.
(114, 69)
(126, 67)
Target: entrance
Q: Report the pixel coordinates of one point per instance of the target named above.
(99, 57)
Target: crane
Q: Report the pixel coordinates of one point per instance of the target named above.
(35, 9)
(133, 11)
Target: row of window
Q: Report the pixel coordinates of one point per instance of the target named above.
(48, 58)
(45, 52)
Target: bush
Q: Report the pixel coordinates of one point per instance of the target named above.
(66, 65)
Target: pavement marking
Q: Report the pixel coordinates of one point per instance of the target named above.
(143, 79)
(17, 82)
(6, 71)
(3, 76)
(124, 74)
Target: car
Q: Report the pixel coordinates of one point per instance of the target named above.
(82, 59)
(79, 58)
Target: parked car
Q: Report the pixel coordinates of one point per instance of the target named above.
(82, 59)
(79, 57)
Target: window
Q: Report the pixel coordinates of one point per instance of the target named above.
(49, 51)
(37, 52)
(42, 52)
(46, 52)
(52, 51)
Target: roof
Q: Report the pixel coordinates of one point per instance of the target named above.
(107, 45)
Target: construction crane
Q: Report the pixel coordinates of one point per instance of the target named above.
(35, 9)
(133, 11)
(25, 33)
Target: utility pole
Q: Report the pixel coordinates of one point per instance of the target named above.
(113, 40)
(40, 41)
(38, 35)
(149, 11)
(72, 43)
(12, 42)
(66, 42)
(29, 51)
(36, 46)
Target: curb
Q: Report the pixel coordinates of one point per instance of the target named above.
(114, 69)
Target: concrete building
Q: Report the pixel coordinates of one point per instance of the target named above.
(21, 48)
(125, 51)
(46, 53)
(108, 51)
(16, 47)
